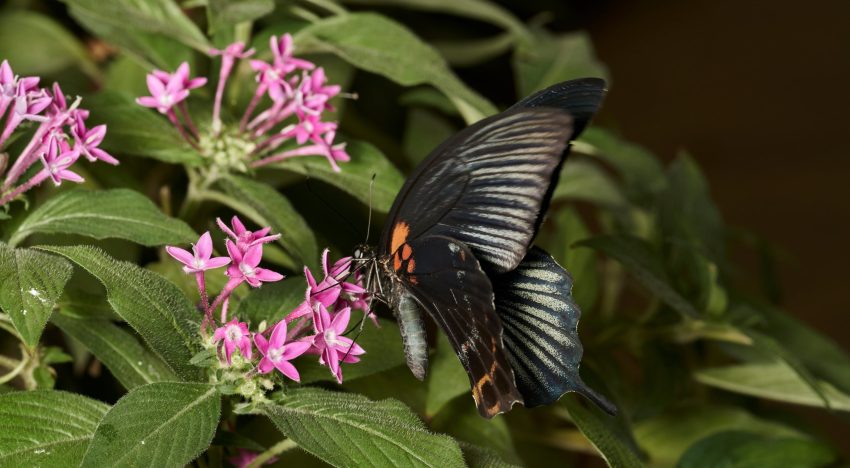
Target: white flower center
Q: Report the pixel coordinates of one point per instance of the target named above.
(331, 337)
(233, 332)
(166, 100)
(246, 270)
(198, 263)
(275, 354)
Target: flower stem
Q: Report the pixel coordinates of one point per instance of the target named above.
(37, 179)
(258, 95)
(188, 119)
(27, 157)
(312, 150)
(172, 116)
(273, 451)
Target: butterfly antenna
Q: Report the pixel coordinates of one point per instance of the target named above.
(369, 222)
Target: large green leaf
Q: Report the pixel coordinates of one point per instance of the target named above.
(139, 131)
(154, 307)
(377, 44)
(461, 420)
(270, 208)
(30, 284)
(355, 177)
(586, 181)
(348, 430)
(27, 38)
(666, 437)
(118, 213)
(638, 257)
(550, 59)
(159, 424)
(161, 17)
(740, 449)
(127, 359)
(383, 351)
(229, 12)
(775, 381)
(604, 432)
(46, 428)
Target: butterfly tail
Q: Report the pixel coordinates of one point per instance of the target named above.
(540, 319)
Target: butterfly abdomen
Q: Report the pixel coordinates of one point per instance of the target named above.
(413, 335)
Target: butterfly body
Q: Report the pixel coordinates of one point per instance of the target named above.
(457, 247)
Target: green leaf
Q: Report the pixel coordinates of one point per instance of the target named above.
(30, 284)
(480, 457)
(424, 131)
(272, 302)
(356, 175)
(81, 304)
(154, 307)
(461, 420)
(586, 181)
(580, 263)
(230, 12)
(470, 52)
(383, 351)
(447, 379)
(35, 44)
(139, 131)
(270, 208)
(638, 257)
(46, 428)
(642, 174)
(161, 17)
(774, 381)
(127, 359)
(159, 424)
(738, 449)
(346, 429)
(666, 437)
(603, 432)
(379, 45)
(116, 213)
(481, 10)
(550, 59)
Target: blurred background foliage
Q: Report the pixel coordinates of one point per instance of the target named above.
(680, 247)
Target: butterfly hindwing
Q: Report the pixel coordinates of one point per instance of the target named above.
(540, 320)
(485, 185)
(448, 282)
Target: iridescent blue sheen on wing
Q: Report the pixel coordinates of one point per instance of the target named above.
(540, 323)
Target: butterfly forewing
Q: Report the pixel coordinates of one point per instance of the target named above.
(485, 186)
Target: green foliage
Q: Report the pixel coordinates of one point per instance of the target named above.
(30, 284)
(159, 424)
(609, 436)
(743, 449)
(117, 213)
(344, 429)
(46, 428)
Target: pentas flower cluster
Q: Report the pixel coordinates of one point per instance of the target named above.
(316, 326)
(284, 118)
(60, 137)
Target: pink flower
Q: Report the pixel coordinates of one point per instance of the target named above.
(228, 58)
(308, 128)
(276, 354)
(282, 51)
(245, 238)
(182, 75)
(164, 94)
(58, 159)
(332, 347)
(88, 140)
(244, 458)
(236, 336)
(201, 257)
(244, 266)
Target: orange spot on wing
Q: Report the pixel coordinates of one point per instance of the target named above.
(396, 262)
(406, 251)
(411, 265)
(399, 236)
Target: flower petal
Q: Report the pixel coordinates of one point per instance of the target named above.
(261, 343)
(288, 370)
(278, 337)
(267, 276)
(217, 262)
(296, 348)
(253, 255)
(181, 255)
(340, 321)
(204, 246)
(266, 365)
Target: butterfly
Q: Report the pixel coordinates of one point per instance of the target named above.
(457, 246)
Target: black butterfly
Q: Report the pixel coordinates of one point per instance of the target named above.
(457, 245)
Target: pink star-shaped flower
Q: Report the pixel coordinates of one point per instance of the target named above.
(201, 257)
(277, 353)
(332, 347)
(245, 266)
(87, 140)
(164, 94)
(243, 237)
(236, 336)
(58, 158)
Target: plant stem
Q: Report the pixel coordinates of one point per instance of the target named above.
(37, 179)
(273, 451)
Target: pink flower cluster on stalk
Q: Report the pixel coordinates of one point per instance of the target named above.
(60, 136)
(287, 106)
(316, 326)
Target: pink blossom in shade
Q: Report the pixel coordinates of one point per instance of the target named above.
(88, 140)
(277, 353)
(236, 336)
(58, 158)
(200, 259)
(308, 128)
(164, 95)
(357, 299)
(316, 93)
(270, 79)
(282, 51)
(243, 458)
(182, 74)
(244, 266)
(245, 238)
(332, 347)
(228, 58)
